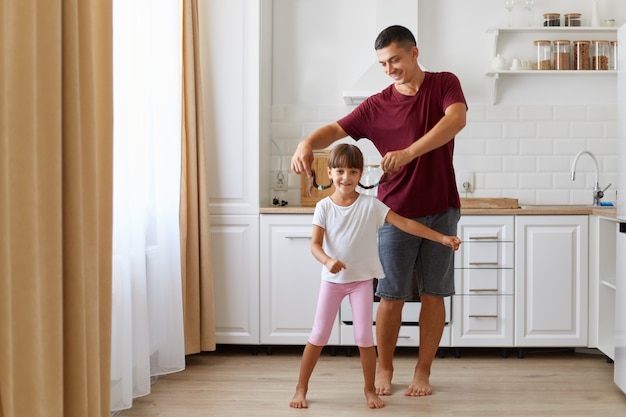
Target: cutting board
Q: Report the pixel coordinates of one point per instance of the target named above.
(487, 203)
(320, 166)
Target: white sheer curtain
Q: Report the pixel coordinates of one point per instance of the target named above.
(147, 326)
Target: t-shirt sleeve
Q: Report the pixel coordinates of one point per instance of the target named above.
(381, 209)
(319, 214)
(452, 91)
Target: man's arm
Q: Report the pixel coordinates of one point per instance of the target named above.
(451, 123)
(320, 139)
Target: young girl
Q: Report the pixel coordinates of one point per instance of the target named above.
(345, 226)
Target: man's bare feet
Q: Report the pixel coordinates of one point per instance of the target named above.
(420, 386)
(383, 381)
(373, 400)
(299, 399)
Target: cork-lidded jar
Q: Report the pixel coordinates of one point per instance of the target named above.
(561, 55)
(543, 54)
(582, 55)
(552, 19)
(600, 55)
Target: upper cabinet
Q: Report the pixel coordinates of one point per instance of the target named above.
(515, 54)
(229, 33)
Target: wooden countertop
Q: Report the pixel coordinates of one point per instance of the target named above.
(523, 210)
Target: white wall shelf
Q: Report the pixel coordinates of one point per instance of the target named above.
(548, 31)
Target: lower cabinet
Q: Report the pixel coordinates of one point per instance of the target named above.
(521, 281)
(290, 280)
(551, 289)
(235, 262)
(482, 309)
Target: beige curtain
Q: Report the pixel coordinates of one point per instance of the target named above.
(198, 306)
(55, 207)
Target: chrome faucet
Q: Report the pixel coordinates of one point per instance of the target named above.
(597, 192)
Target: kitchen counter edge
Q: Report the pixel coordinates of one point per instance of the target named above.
(545, 210)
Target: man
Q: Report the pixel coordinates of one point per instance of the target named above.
(412, 123)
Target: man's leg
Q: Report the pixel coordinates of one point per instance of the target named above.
(388, 320)
(432, 321)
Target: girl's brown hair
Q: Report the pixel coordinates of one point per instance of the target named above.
(344, 155)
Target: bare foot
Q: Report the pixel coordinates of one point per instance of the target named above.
(383, 382)
(420, 386)
(299, 399)
(373, 400)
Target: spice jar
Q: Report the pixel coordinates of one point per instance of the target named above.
(600, 57)
(552, 19)
(613, 55)
(561, 55)
(582, 58)
(572, 19)
(543, 54)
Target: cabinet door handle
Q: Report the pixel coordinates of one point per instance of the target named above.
(298, 237)
(483, 316)
(484, 289)
(403, 337)
(609, 285)
(483, 237)
(484, 263)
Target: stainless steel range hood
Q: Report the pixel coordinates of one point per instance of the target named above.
(374, 79)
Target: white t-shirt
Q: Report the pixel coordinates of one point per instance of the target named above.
(351, 235)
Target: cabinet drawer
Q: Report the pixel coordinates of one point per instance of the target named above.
(486, 254)
(485, 281)
(483, 320)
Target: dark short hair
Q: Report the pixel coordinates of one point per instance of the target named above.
(345, 155)
(398, 34)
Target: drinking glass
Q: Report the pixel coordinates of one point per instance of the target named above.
(529, 5)
(510, 5)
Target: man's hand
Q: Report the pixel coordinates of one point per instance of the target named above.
(394, 160)
(302, 159)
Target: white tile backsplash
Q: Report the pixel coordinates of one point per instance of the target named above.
(522, 152)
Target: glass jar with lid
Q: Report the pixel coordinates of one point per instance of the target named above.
(551, 19)
(561, 55)
(613, 55)
(600, 55)
(543, 54)
(582, 55)
(572, 19)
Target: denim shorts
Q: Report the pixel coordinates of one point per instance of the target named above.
(413, 262)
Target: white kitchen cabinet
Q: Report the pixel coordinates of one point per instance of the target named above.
(290, 280)
(235, 260)
(517, 42)
(482, 309)
(551, 268)
(232, 103)
(234, 110)
(602, 277)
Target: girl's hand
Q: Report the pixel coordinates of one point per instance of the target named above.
(451, 241)
(334, 265)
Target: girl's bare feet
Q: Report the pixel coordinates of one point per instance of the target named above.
(373, 400)
(383, 382)
(299, 399)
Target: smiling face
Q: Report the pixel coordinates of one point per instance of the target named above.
(345, 167)
(345, 179)
(398, 62)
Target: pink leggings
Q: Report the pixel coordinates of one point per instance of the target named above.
(361, 295)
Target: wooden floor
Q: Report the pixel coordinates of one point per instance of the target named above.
(234, 382)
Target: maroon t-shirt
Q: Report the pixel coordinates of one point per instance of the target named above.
(393, 121)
